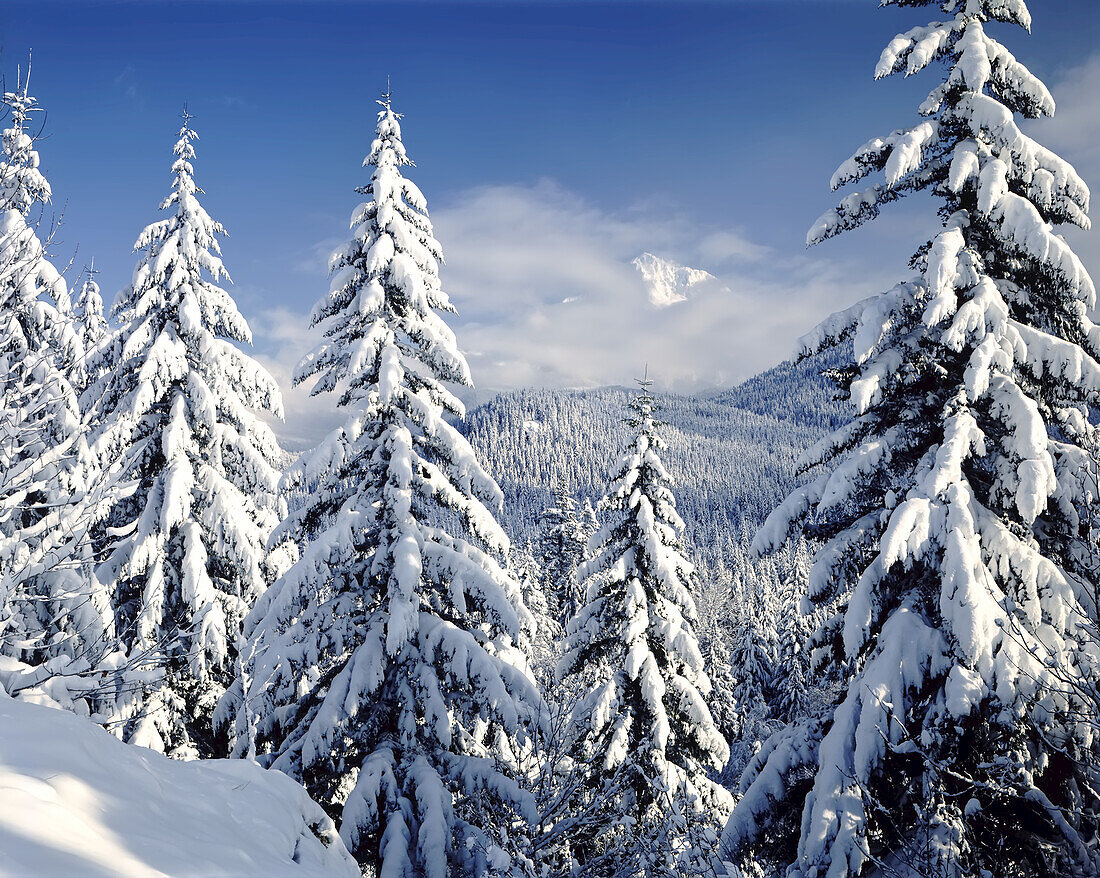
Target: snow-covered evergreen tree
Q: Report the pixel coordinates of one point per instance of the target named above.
(642, 729)
(388, 672)
(546, 632)
(946, 507)
(717, 607)
(560, 546)
(90, 324)
(753, 670)
(52, 619)
(792, 691)
(589, 523)
(184, 550)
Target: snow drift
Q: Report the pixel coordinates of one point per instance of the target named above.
(75, 801)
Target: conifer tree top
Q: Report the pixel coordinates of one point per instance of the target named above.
(90, 294)
(386, 279)
(22, 184)
(643, 405)
(25, 267)
(185, 243)
(387, 148)
(948, 508)
(179, 249)
(184, 188)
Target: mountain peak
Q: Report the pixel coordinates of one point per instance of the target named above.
(668, 282)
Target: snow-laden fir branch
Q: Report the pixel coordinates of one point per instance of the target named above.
(388, 671)
(953, 609)
(185, 551)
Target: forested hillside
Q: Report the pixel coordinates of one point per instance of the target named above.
(838, 621)
(731, 453)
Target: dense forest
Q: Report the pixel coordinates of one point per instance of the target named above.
(840, 620)
(732, 453)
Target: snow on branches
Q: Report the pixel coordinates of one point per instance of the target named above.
(54, 622)
(388, 671)
(642, 728)
(947, 509)
(185, 546)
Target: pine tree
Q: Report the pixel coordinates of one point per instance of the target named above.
(546, 631)
(642, 729)
(51, 617)
(947, 505)
(388, 672)
(561, 545)
(90, 324)
(184, 551)
(792, 695)
(754, 674)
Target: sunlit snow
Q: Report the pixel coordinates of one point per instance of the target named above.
(668, 282)
(76, 801)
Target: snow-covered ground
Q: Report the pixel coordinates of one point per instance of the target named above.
(75, 801)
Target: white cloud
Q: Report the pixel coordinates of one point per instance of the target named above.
(725, 247)
(282, 338)
(313, 260)
(127, 83)
(1075, 128)
(547, 297)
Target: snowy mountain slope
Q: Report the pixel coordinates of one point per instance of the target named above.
(732, 453)
(668, 282)
(76, 801)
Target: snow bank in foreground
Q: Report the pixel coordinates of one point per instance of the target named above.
(75, 801)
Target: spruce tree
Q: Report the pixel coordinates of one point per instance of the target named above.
(184, 550)
(716, 602)
(752, 666)
(546, 633)
(90, 325)
(946, 507)
(387, 673)
(561, 545)
(52, 618)
(792, 694)
(642, 729)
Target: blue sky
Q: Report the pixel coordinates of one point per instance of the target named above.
(554, 142)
